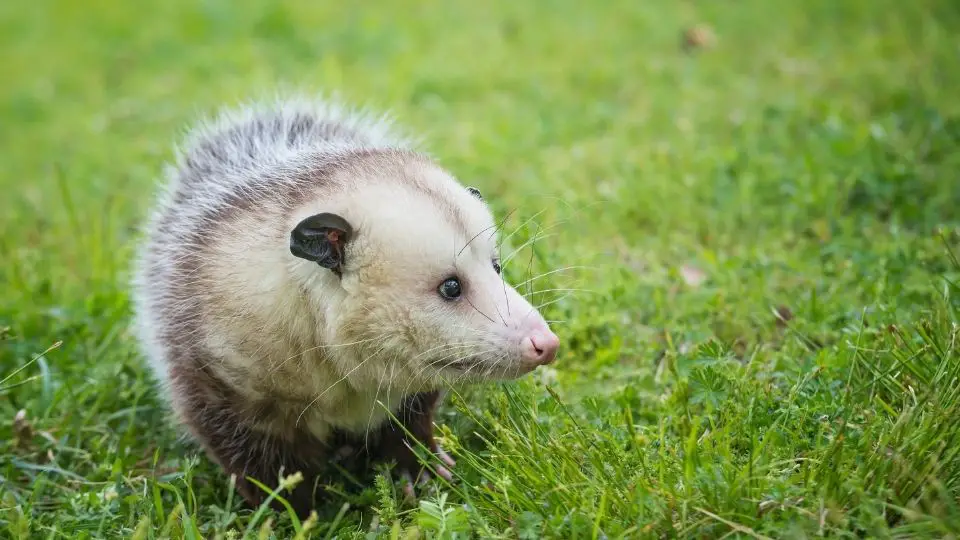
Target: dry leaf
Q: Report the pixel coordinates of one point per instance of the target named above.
(698, 37)
(22, 429)
(784, 315)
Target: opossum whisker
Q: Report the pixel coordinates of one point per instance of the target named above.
(279, 365)
(500, 314)
(376, 399)
(453, 350)
(443, 375)
(494, 226)
(376, 394)
(551, 272)
(554, 301)
(324, 347)
(478, 310)
(504, 366)
(554, 224)
(442, 346)
(485, 362)
(495, 361)
(321, 394)
(456, 359)
(518, 227)
(390, 379)
(542, 291)
(477, 332)
(466, 372)
(499, 257)
(462, 375)
(530, 264)
(539, 234)
(503, 283)
(540, 228)
(493, 365)
(471, 303)
(376, 354)
(508, 258)
(531, 311)
(449, 350)
(446, 353)
(503, 221)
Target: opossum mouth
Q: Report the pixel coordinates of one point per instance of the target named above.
(463, 365)
(478, 366)
(475, 363)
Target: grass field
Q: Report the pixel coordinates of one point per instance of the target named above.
(755, 243)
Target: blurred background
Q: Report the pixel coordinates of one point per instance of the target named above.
(712, 160)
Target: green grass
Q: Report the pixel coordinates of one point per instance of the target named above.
(807, 165)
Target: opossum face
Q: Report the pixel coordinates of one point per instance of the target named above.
(423, 286)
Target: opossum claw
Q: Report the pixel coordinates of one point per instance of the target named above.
(424, 478)
(445, 457)
(444, 473)
(408, 490)
(410, 485)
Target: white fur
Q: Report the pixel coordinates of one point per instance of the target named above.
(236, 175)
(284, 323)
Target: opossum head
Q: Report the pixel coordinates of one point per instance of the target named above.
(414, 259)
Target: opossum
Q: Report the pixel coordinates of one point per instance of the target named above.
(305, 270)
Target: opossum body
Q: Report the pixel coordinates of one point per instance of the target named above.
(304, 264)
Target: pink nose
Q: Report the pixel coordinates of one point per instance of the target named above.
(541, 347)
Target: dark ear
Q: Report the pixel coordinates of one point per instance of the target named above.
(321, 238)
(475, 192)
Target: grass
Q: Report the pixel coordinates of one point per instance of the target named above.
(765, 233)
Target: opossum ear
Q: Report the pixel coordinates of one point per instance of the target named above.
(321, 238)
(475, 192)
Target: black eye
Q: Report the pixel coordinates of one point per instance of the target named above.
(496, 266)
(450, 289)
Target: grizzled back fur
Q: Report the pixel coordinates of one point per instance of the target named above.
(246, 139)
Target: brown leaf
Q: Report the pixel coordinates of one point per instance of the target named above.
(699, 36)
(784, 315)
(22, 428)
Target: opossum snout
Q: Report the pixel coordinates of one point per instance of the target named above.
(540, 346)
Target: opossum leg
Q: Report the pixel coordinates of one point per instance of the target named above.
(416, 414)
(247, 453)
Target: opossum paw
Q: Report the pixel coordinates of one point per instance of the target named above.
(408, 491)
(441, 470)
(417, 477)
(444, 457)
(344, 452)
(444, 473)
(411, 486)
